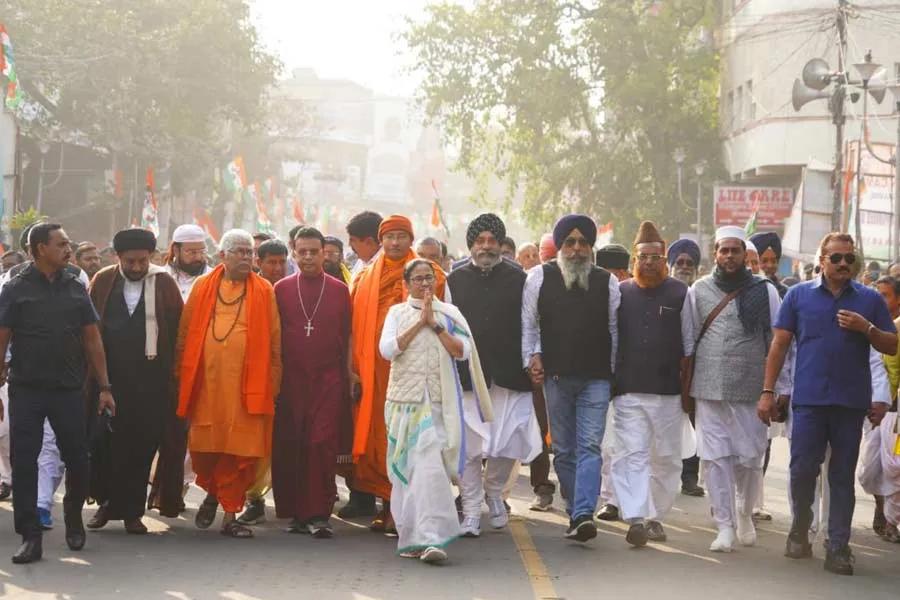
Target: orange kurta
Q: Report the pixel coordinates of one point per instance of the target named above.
(219, 419)
(370, 434)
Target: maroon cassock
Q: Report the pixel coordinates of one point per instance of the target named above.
(313, 412)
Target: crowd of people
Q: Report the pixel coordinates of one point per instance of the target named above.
(425, 382)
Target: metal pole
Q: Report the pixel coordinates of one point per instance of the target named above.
(857, 212)
(838, 118)
(699, 214)
(896, 215)
(40, 191)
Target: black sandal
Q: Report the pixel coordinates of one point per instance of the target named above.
(206, 514)
(236, 529)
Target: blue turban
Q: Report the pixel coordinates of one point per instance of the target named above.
(568, 223)
(764, 241)
(684, 246)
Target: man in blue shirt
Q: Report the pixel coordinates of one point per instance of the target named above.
(834, 320)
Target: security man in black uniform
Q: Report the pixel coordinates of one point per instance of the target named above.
(47, 315)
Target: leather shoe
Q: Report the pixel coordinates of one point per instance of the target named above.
(608, 512)
(839, 561)
(135, 527)
(797, 548)
(75, 534)
(30, 551)
(100, 518)
(692, 489)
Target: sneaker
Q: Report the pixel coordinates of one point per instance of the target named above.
(296, 526)
(655, 531)
(433, 555)
(542, 502)
(608, 512)
(581, 529)
(746, 531)
(45, 518)
(255, 513)
(692, 489)
(5, 490)
(761, 514)
(840, 561)
(471, 527)
(637, 535)
(499, 516)
(724, 542)
(320, 529)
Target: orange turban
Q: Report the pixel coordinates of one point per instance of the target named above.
(395, 223)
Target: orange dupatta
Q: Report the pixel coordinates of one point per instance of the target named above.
(259, 398)
(364, 293)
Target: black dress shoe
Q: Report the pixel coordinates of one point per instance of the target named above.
(798, 548)
(5, 490)
(75, 534)
(100, 518)
(839, 561)
(30, 551)
(692, 489)
(608, 512)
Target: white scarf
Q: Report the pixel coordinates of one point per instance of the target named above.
(150, 322)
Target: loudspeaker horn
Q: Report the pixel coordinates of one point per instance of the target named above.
(802, 95)
(817, 74)
(878, 85)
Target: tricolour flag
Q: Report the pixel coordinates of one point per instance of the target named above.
(235, 176)
(13, 94)
(605, 234)
(263, 223)
(202, 218)
(437, 214)
(297, 208)
(150, 214)
(750, 227)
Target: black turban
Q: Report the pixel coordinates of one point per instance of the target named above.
(764, 241)
(134, 239)
(485, 222)
(613, 256)
(684, 246)
(568, 223)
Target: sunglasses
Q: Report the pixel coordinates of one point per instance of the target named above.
(837, 257)
(684, 262)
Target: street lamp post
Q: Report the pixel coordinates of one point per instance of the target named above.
(44, 147)
(678, 156)
(699, 168)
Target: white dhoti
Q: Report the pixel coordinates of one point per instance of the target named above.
(731, 443)
(422, 499)
(513, 436)
(5, 464)
(878, 470)
(50, 469)
(646, 464)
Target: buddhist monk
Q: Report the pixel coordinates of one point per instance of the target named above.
(378, 287)
(229, 367)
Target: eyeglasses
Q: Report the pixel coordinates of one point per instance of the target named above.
(684, 262)
(837, 257)
(572, 242)
(199, 252)
(422, 279)
(649, 258)
(242, 252)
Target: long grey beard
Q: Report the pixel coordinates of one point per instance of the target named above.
(575, 273)
(688, 280)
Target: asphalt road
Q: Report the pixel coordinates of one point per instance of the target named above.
(528, 560)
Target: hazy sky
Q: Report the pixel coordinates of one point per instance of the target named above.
(350, 39)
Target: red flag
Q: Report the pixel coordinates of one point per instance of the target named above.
(202, 218)
(298, 210)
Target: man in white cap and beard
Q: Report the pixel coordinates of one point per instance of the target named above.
(186, 259)
(185, 262)
(733, 313)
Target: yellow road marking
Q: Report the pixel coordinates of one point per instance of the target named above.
(541, 583)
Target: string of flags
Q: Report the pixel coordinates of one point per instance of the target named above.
(13, 93)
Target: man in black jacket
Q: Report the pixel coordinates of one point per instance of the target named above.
(488, 292)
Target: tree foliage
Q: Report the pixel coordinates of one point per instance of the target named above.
(164, 80)
(578, 104)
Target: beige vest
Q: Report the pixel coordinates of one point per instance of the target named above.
(418, 368)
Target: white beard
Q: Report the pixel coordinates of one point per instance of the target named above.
(575, 273)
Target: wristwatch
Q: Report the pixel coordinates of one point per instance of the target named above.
(438, 329)
(106, 388)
